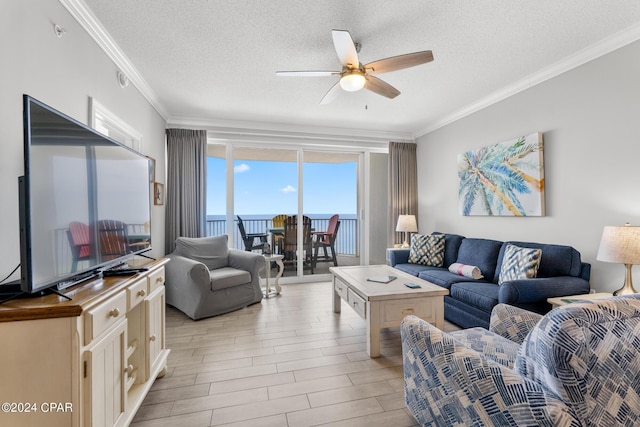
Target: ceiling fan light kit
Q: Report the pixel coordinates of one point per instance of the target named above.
(352, 81)
(355, 76)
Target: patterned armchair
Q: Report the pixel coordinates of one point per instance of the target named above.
(579, 365)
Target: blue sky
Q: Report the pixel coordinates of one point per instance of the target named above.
(270, 188)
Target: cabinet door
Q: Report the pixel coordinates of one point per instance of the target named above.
(155, 328)
(105, 393)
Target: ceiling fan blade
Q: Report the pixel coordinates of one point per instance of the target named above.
(345, 48)
(307, 73)
(380, 87)
(399, 62)
(331, 94)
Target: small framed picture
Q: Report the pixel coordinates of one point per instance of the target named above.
(158, 193)
(152, 169)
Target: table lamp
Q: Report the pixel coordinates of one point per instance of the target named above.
(621, 244)
(407, 224)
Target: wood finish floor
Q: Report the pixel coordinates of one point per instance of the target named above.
(288, 361)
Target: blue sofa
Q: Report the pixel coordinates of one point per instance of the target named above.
(469, 303)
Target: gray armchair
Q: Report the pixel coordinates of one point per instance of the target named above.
(205, 278)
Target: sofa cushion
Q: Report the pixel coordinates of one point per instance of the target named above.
(586, 354)
(441, 277)
(452, 244)
(414, 269)
(483, 295)
(427, 249)
(211, 251)
(519, 263)
(227, 277)
(482, 253)
(556, 260)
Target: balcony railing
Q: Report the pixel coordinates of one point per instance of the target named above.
(346, 242)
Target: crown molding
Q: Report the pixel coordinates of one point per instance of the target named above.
(85, 17)
(232, 129)
(235, 129)
(588, 54)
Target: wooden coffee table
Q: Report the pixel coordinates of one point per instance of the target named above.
(384, 305)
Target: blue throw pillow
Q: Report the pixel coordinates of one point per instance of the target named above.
(519, 263)
(427, 250)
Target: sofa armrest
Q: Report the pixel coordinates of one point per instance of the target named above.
(182, 272)
(511, 322)
(440, 374)
(539, 289)
(398, 256)
(187, 282)
(585, 271)
(247, 261)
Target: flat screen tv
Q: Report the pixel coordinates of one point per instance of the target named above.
(85, 201)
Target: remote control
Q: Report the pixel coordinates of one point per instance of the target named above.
(412, 285)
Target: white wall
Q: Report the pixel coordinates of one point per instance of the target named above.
(63, 73)
(590, 119)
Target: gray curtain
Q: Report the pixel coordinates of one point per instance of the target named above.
(403, 186)
(186, 185)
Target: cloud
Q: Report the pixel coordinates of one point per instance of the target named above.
(243, 167)
(288, 189)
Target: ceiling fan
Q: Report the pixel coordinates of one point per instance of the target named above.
(355, 76)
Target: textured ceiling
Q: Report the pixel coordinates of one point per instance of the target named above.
(216, 59)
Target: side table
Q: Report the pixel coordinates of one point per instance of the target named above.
(558, 301)
(277, 258)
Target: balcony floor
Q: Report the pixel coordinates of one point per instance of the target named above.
(322, 267)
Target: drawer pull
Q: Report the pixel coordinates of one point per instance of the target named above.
(339, 289)
(129, 370)
(407, 311)
(159, 279)
(152, 338)
(142, 293)
(114, 313)
(355, 303)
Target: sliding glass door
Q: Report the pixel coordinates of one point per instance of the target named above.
(265, 192)
(282, 201)
(330, 198)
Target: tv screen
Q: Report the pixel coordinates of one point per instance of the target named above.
(84, 200)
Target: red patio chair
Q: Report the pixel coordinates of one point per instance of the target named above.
(327, 239)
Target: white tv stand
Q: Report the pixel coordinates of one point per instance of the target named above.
(86, 362)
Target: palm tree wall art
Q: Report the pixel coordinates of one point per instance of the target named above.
(505, 179)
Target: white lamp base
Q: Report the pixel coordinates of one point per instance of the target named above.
(407, 238)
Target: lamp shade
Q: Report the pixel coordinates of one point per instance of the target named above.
(407, 224)
(620, 244)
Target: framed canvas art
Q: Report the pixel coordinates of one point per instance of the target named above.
(505, 179)
(158, 193)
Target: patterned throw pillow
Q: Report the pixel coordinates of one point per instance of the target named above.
(519, 263)
(427, 250)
